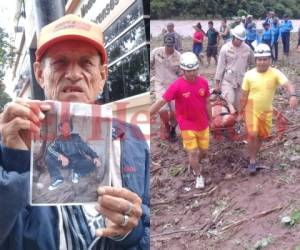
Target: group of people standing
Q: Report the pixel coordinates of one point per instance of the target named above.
(245, 79)
(270, 32)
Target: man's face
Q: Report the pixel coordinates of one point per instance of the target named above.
(190, 75)
(71, 71)
(65, 129)
(210, 26)
(236, 42)
(262, 63)
(170, 28)
(169, 50)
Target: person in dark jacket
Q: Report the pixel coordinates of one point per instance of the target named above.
(69, 151)
(71, 66)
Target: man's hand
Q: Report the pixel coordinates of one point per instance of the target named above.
(64, 160)
(240, 117)
(97, 162)
(293, 102)
(217, 87)
(121, 207)
(20, 121)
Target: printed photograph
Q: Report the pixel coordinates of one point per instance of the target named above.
(70, 159)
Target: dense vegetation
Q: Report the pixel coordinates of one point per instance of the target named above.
(207, 9)
(6, 60)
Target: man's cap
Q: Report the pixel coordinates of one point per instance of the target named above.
(249, 16)
(169, 40)
(70, 27)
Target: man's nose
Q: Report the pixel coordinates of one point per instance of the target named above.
(73, 72)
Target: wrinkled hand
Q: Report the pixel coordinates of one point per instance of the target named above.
(20, 122)
(64, 160)
(113, 203)
(293, 102)
(97, 162)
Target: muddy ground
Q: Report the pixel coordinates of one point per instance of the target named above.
(235, 211)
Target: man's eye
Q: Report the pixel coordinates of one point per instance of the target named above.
(59, 62)
(88, 62)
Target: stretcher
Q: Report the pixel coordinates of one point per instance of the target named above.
(223, 122)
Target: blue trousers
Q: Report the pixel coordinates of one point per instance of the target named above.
(197, 48)
(275, 51)
(80, 166)
(286, 42)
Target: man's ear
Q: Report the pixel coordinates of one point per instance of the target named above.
(104, 75)
(38, 72)
(104, 72)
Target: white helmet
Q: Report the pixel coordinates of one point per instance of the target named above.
(262, 50)
(189, 61)
(239, 32)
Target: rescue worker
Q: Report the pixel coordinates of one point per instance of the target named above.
(164, 61)
(258, 90)
(191, 93)
(234, 59)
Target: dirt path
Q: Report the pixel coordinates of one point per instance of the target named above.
(235, 211)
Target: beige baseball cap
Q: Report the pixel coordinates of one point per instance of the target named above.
(70, 27)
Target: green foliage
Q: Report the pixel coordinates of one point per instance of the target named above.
(6, 60)
(242, 13)
(6, 53)
(202, 9)
(4, 97)
(295, 216)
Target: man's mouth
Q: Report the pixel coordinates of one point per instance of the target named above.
(72, 89)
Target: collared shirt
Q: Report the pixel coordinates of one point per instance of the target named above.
(267, 37)
(276, 32)
(286, 26)
(233, 63)
(165, 66)
(251, 34)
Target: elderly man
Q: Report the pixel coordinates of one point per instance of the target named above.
(71, 66)
(258, 90)
(164, 62)
(234, 59)
(178, 42)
